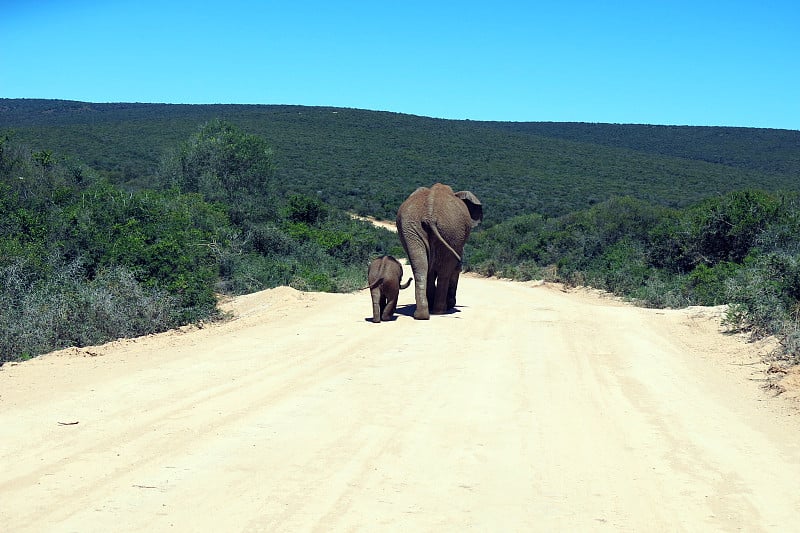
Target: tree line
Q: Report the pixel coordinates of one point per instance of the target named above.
(368, 161)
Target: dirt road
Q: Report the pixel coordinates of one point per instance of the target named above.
(529, 409)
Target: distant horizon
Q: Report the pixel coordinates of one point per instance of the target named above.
(395, 112)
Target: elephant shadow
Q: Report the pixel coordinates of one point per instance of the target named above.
(408, 310)
(369, 318)
(405, 310)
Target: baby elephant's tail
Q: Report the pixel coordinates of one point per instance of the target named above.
(376, 283)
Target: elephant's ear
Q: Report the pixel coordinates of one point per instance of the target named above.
(473, 204)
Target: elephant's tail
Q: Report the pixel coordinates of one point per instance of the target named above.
(374, 284)
(407, 283)
(438, 235)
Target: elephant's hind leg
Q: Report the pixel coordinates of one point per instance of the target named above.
(421, 291)
(451, 291)
(388, 311)
(439, 306)
(376, 304)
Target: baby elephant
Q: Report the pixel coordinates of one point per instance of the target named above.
(384, 277)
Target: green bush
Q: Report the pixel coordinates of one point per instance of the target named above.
(765, 294)
(661, 290)
(305, 210)
(222, 163)
(166, 239)
(706, 285)
(620, 268)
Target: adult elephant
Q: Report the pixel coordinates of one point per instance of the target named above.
(433, 224)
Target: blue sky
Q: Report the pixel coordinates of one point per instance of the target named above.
(717, 63)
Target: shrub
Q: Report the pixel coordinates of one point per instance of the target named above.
(661, 290)
(765, 294)
(706, 285)
(66, 309)
(621, 268)
(305, 210)
(221, 162)
(727, 227)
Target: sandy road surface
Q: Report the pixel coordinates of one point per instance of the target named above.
(529, 409)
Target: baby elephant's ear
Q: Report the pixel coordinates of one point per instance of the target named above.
(473, 204)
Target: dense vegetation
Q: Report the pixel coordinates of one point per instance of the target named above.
(125, 219)
(83, 261)
(368, 162)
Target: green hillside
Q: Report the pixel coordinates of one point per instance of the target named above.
(369, 161)
(765, 150)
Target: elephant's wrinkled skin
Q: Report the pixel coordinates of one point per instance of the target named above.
(433, 224)
(384, 276)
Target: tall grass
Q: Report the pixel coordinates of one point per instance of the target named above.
(66, 309)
